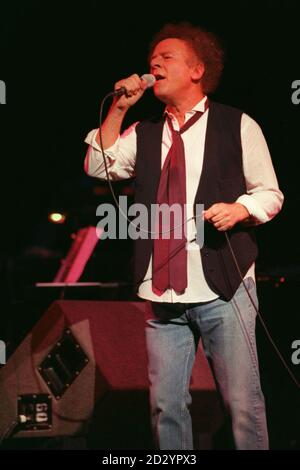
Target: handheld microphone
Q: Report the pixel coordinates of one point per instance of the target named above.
(147, 77)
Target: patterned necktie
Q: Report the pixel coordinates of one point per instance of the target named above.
(169, 266)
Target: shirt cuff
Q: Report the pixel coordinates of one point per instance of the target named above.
(91, 140)
(256, 212)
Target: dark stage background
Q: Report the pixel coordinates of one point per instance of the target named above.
(58, 59)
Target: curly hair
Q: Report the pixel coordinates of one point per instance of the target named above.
(205, 45)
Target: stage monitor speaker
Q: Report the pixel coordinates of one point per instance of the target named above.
(82, 371)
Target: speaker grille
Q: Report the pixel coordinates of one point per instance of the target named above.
(63, 364)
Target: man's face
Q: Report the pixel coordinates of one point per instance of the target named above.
(173, 63)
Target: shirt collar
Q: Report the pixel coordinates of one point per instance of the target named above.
(198, 107)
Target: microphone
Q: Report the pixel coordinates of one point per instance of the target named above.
(147, 77)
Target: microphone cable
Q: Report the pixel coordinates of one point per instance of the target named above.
(281, 358)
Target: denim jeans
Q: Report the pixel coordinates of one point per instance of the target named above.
(227, 330)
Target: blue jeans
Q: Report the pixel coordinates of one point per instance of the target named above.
(227, 330)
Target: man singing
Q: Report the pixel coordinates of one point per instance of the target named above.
(197, 152)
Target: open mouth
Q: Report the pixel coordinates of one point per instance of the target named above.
(159, 77)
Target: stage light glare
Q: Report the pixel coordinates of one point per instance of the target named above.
(57, 218)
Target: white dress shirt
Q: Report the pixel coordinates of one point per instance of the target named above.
(263, 199)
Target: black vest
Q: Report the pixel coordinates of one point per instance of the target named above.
(222, 180)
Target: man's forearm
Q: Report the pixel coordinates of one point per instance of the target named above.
(111, 127)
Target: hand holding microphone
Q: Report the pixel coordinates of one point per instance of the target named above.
(129, 90)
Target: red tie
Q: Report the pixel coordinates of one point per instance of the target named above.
(169, 267)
